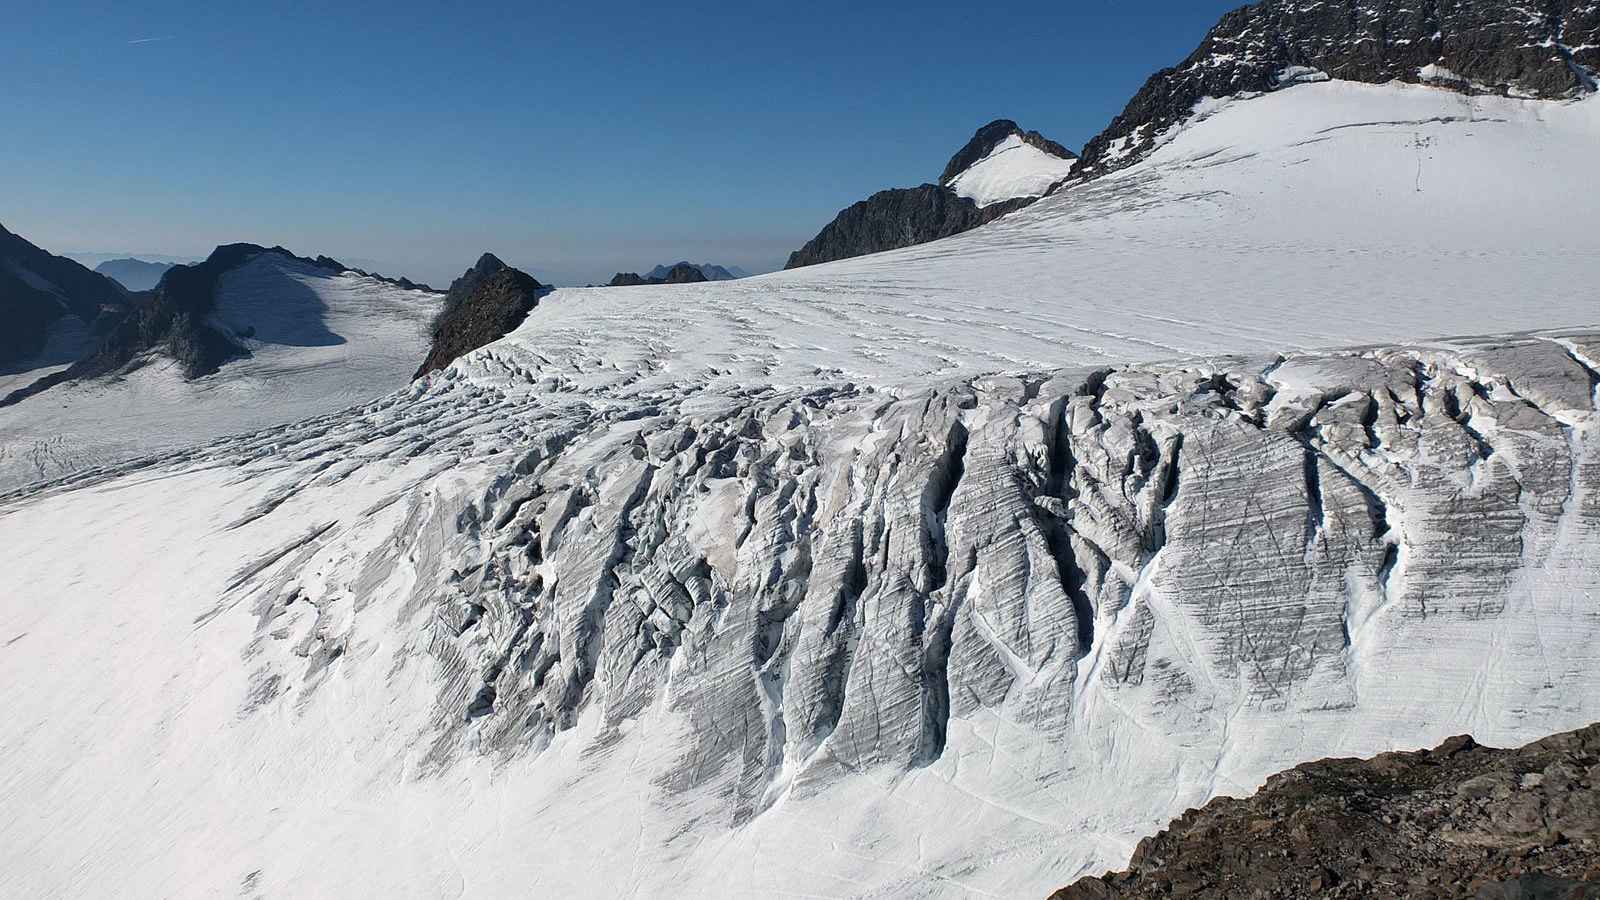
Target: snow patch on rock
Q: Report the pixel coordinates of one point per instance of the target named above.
(1013, 169)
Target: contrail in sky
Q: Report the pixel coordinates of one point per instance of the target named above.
(151, 40)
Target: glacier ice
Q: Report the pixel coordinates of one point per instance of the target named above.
(950, 571)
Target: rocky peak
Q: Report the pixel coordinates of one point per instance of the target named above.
(487, 264)
(463, 287)
(485, 304)
(678, 273)
(1549, 51)
(683, 273)
(989, 137)
(904, 217)
(711, 271)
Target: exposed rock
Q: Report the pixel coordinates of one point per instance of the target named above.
(333, 265)
(174, 320)
(484, 305)
(679, 273)
(1457, 821)
(905, 217)
(37, 289)
(711, 271)
(988, 137)
(899, 217)
(1549, 50)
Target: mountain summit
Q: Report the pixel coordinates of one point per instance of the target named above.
(999, 170)
(485, 304)
(711, 271)
(992, 137)
(678, 273)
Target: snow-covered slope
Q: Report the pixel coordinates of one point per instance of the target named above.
(1322, 215)
(318, 340)
(1014, 168)
(759, 587)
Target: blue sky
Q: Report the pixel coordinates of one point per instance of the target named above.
(573, 139)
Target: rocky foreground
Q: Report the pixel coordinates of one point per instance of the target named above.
(1460, 820)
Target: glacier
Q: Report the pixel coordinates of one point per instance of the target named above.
(319, 341)
(950, 571)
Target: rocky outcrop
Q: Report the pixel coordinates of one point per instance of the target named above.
(900, 217)
(1458, 821)
(134, 274)
(38, 289)
(905, 217)
(1549, 50)
(679, 273)
(333, 265)
(988, 137)
(484, 305)
(889, 220)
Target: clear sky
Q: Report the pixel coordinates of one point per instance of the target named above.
(574, 139)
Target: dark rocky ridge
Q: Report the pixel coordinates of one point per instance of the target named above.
(1458, 821)
(988, 137)
(1495, 46)
(27, 310)
(679, 273)
(172, 319)
(905, 217)
(711, 271)
(899, 217)
(485, 304)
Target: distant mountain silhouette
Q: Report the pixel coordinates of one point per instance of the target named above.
(134, 274)
(711, 271)
(679, 273)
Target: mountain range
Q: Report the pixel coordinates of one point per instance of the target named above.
(711, 271)
(678, 273)
(250, 337)
(1265, 431)
(134, 274)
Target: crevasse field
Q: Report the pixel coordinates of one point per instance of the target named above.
(757, 587)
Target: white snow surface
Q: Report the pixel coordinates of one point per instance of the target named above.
(216, 668)
(322, 341)
(1323, 215)
(1014, 168)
